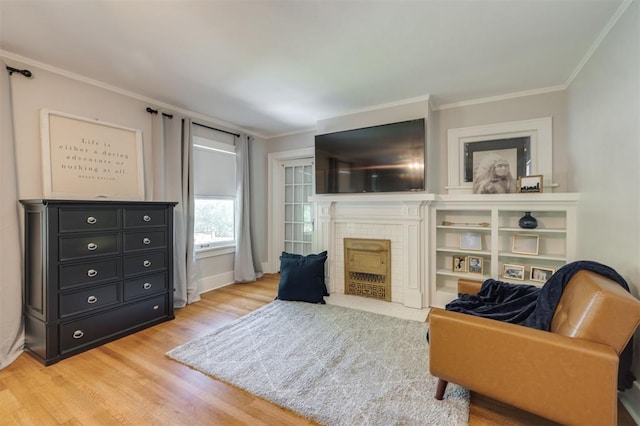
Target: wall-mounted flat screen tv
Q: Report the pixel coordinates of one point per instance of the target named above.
(385, 158)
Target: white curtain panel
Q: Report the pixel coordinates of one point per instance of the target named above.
(244, 267)
(173, 181)
(11, 323)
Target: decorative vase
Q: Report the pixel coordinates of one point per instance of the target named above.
(527, 221)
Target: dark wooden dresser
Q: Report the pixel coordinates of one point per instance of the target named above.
(95, 271)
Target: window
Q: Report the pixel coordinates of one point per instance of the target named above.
(215, 188)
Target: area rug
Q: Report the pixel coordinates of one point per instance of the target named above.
(333, 365)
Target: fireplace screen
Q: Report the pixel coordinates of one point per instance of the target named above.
(367, 268)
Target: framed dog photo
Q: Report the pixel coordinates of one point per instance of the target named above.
(475, 264)
(459, 264)
(513, 272)
(540, 274)
(470, 241)
(525, 244)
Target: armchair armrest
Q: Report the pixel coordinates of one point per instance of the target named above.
(524, 367)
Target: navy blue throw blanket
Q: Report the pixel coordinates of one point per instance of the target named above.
(534, 307)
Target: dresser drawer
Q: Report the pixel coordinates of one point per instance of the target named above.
(111, 324)
(145, 286)
(92, 219)
(136, 217)
(94, 271)
(144, 240)
(143, 263)
(89, 299)
(88, 246)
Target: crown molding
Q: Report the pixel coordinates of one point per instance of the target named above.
(424, 98)
(594, 46)
(156, 103)
(293, 133)
(507, 96)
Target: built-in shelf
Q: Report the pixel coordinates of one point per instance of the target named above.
(556, 232)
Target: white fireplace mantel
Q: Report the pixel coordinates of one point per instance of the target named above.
(399, 217)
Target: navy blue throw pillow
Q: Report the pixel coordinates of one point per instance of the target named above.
(299, 256)
(302, 278)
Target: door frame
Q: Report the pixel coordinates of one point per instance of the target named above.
(275, 204)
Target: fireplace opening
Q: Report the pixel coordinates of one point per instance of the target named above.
(367, 268)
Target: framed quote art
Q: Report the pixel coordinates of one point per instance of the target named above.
(89, 159)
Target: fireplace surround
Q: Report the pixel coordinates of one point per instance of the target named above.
(400, 218)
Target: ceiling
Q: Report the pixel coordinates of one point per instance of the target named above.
(276, 67)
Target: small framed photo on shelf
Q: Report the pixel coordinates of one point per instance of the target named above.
(470, 241)
(525, 244)
(459, 264)
(513, 272)
(531, 183)
(540, 274)
(475, 264)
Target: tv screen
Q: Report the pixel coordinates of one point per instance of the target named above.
(386, 158)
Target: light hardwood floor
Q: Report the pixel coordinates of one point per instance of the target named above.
(130, 381)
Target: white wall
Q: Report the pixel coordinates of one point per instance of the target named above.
(604, 153)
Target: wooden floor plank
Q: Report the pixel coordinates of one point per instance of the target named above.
(130, 381)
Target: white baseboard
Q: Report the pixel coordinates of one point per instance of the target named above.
(265, 268)
(631, 401)
(216, 281)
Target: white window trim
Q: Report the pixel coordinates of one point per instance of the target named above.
(220, 250)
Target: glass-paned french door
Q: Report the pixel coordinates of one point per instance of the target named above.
(298, 213)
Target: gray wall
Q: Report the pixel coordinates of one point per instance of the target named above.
(553, 104)
(291, 142)
(604, 152)
(57, 92)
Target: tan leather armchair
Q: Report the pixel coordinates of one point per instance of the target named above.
(568, 375)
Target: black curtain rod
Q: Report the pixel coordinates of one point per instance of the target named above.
(25, 73)
(155, 111)
(217, 130)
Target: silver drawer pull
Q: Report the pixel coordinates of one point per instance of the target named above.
(156, 307)
(146, 286)
(92, 299)
(92, 273)
(146, 241)
(78, 334)
(146, 263)
(92, 246)
(146, 218)
(91, 220)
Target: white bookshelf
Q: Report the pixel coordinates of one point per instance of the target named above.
(494, 218)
